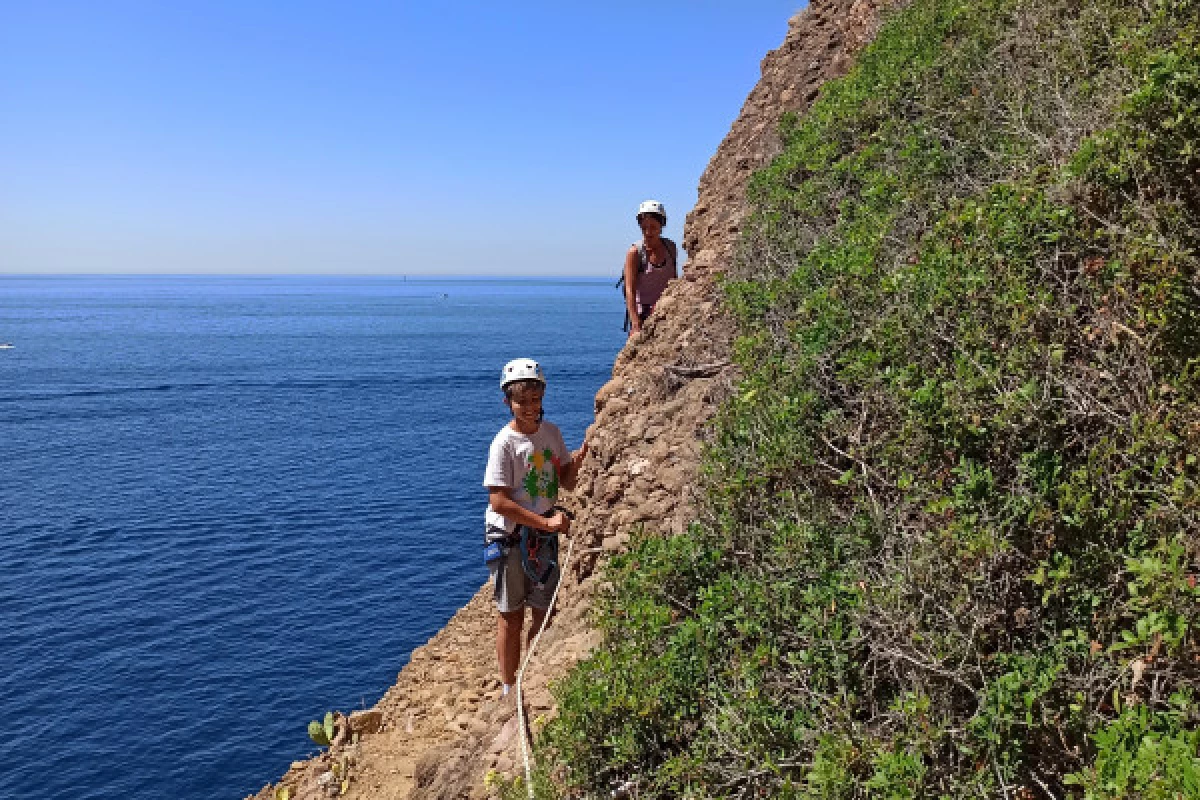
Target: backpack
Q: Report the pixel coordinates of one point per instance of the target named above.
(642, 268)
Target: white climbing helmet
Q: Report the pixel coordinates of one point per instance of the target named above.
(652, 207)
(521, 369)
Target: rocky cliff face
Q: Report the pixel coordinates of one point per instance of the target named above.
(442, 727)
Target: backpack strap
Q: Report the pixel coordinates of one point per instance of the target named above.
(672, 251)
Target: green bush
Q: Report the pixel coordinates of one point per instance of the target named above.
(949, 539)
(322, 732)
(1145, 754)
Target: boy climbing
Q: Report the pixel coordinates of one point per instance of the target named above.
(528, 463)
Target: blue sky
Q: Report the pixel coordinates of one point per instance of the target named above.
(360, 137)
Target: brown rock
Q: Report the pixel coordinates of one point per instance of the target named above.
(366, 722)
(616, 542)
(426, 768)
(506, 738)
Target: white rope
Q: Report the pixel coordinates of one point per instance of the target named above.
(562, 570)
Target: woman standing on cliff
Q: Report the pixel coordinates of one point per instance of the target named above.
(649, 265)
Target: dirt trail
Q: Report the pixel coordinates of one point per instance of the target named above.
(439, 730)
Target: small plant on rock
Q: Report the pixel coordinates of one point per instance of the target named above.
(323, 732)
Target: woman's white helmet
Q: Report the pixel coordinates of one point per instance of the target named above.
(521, 369)
(652, 207)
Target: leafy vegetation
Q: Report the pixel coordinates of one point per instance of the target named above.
(322, 733)
(952, 525)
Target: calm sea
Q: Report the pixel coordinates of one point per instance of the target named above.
(230, 504)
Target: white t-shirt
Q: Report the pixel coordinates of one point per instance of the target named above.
(529, 466)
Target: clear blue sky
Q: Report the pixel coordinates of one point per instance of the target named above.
(360, 137)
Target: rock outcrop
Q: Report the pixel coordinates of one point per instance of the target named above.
(443, 726)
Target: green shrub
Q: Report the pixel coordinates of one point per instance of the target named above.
(1143, 753)
(322, 733)
(951, 524)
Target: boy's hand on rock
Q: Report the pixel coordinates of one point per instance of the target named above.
(580, 454)
(559, 523)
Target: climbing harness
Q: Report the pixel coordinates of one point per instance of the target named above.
(538, 551)
(539, 554)
(524, 729)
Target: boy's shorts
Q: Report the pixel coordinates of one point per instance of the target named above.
(514, 589)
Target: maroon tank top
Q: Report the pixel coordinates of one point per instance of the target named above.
(651, 279)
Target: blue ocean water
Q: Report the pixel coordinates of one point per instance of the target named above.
(230, 504)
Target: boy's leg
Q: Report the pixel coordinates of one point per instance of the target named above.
(538, 599)
(508, 644)
(510, 603)
(539, 614)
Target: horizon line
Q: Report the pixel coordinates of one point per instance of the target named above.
(419, 275)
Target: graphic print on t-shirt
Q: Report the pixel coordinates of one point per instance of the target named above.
(542, 478)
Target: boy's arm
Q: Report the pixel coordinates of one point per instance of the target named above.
(500, 499)
(570, 473)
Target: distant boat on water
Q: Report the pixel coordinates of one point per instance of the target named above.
(5, 346)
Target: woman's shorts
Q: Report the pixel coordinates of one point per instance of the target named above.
(514, 589)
